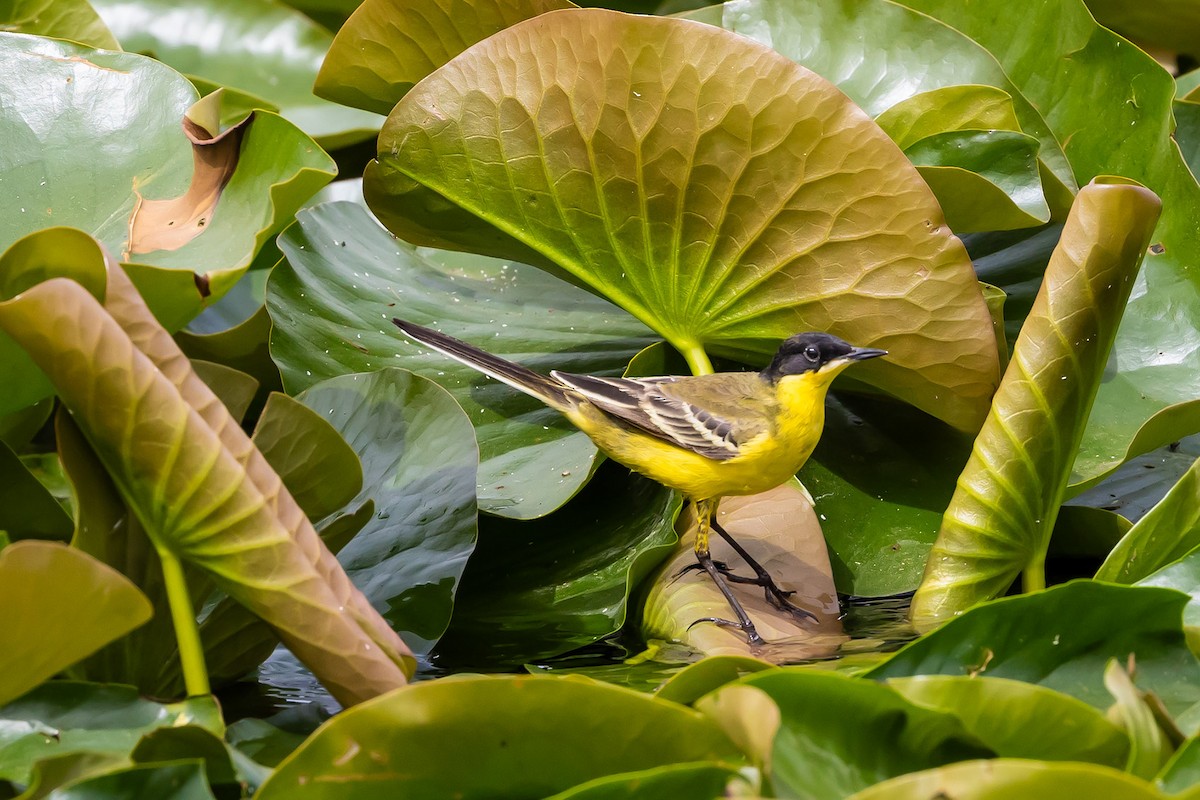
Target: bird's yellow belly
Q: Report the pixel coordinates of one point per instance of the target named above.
(763, 463)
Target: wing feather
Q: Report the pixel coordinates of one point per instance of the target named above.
(660, 407)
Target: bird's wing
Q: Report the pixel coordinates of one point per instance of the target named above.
(712, 415)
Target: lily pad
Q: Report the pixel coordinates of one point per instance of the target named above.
(537, 589)
(680, 198)
(346, 278)
(984, 180)
(27, 509)
(1009, 716)
(418, 459)
(999, 521)
(674, 781)
(130, 108)
(260, 47)
(76, 20)
(1062, 638)
(882, 55)
(1001, 779)
(525, 737)
(45, 629)
(177, 780)
(1116, 93)
(838, 735)
(65, 717)
(387, 46)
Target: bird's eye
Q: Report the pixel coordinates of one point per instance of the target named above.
(811, 353)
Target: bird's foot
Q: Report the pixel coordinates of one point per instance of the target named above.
(753, 638)
(777, 598)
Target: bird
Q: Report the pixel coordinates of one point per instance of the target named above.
(706, 436)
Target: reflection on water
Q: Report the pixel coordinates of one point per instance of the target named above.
(287, 695)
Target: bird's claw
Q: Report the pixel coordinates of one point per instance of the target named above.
(753, 638)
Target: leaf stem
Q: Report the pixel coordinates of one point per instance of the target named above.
(187, 633)
(697, 359)
(1033, 577)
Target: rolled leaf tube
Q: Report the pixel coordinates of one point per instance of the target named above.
(198, 486)
(999, 521)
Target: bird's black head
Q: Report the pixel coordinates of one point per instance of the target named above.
(815, 352)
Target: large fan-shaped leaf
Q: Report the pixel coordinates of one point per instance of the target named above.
(999, 521)
(718, 192)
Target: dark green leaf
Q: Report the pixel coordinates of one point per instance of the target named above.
(537, 589)
(419, 460)
(346, 278)
(65, 717)
(1168, 532)
(321, 471)
(176, 780)
(27, 509)
(234, 388)
(838, 735)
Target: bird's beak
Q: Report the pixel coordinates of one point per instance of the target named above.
(863, 353)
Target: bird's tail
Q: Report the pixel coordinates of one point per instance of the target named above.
(543, 387)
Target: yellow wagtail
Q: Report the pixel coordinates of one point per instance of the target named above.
(730, 433)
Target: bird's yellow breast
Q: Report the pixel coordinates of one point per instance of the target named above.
(797, 416)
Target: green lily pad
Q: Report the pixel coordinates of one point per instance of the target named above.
(346, 278)
(76, 20)
(1010, 717)
(1002, 779)
(27, 509)
(708, 674)
(386, 47)
(1165, 24)
(234, 388)
(46, 629)
(966, 107)
(882, 475)
(1090, 103)
(226, 42)
(225, 767)
(1182, 772)
(679, 200)
(1168, 532)
(537, 589)
(1062, 638)
(999, 521)
(177, 780)
(984, 180)
(247, 182)
(321, 471)
(1014, 261)
(661, 783)
(65, 717)
(525, 737)
(418, 459)
(882, 54)
(838, 735)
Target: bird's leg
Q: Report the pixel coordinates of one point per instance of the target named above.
(777, 597)
(704, 514)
